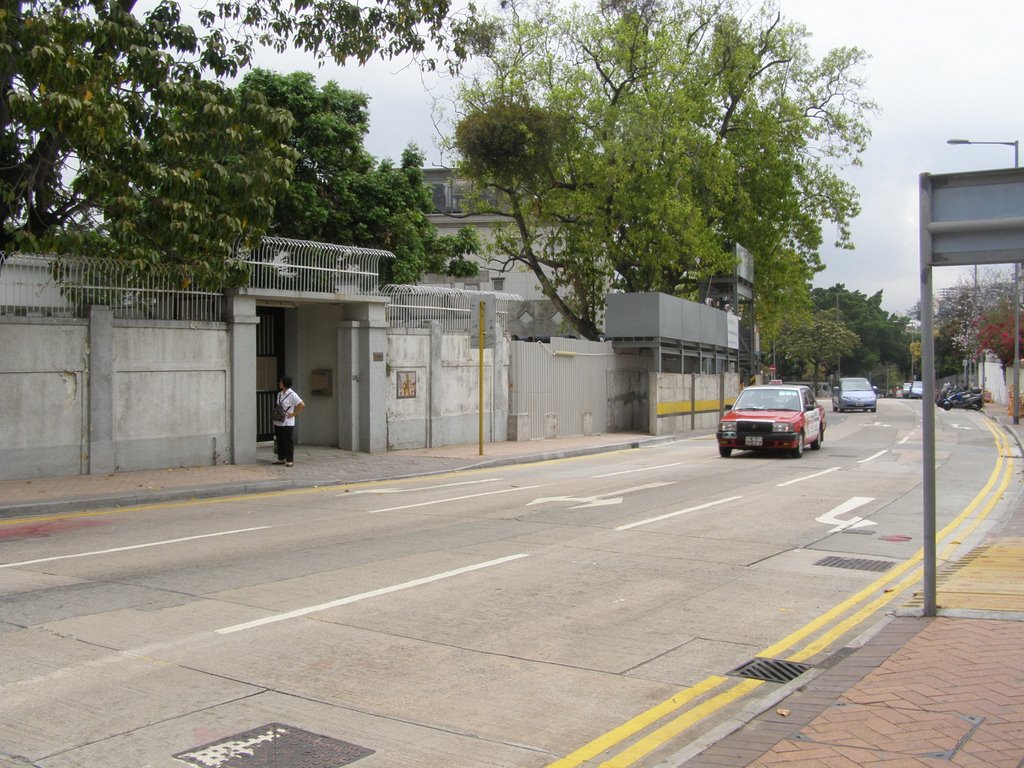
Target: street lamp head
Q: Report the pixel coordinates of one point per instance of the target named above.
(958, 141)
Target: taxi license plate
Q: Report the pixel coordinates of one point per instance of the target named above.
(754, 440)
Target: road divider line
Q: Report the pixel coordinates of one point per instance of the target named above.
(451, 499)
(368, 491)
(873, 456)
(676, 514)
(366, 595)
(637, 724)
(640, 469)
(809, 477)
(674, 727)
(133, 546)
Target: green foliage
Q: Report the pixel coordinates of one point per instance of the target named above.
(119, 138)
(340, 194)
(883, 336)
(816, 341)
(632, 143)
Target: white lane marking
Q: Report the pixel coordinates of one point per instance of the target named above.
(676, 514)
(641, 469)
(366, 595)
(832, 517)
(873, 457)
(808, 477)
(905, 439)
(411, 490)
(600, 500)
(453, 498)
(134, 546)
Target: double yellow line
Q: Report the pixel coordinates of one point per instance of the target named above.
(830, 624)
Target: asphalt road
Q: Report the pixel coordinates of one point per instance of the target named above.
(577, 612)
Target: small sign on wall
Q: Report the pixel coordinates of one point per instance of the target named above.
(320, 382)
(406, 384)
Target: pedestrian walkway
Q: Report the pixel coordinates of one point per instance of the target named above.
(314, 466)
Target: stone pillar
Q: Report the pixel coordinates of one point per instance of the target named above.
(242, 320)
(362, 379)
(102, 456)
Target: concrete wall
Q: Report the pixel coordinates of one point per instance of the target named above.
(43, 367)
(433, 389)
(171, 396)
(107, 395)
(682, 402)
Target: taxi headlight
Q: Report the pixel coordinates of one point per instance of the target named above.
(782, 426)
(727, 426)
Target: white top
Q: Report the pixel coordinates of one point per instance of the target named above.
(290, 400)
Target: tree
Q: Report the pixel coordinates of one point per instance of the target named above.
(119, 138)
(631, 144)
(817, 341)
(340, 194)
(883, 336)
(995, 332)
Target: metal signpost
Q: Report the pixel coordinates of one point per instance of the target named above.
(966, 219)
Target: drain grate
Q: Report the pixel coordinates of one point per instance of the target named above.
(770, 670)
(856, 563)
(275, 746)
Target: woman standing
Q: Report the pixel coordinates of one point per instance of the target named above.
(289, 405)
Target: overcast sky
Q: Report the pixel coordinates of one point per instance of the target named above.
(939, 69)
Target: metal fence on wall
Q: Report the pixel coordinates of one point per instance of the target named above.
(416, 306)
(281, 264)
(46, 285)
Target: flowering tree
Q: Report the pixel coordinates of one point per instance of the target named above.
(995, 332)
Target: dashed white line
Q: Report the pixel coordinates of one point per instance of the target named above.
(676, 514)
(808, 477)
(873, 457)
(134, 546)
(640, 469)
(366, 595)
(453, 498)
(411, 490)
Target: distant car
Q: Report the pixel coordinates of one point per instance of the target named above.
(916, 390)
(907, 385)
(854, 394)
(784, 417)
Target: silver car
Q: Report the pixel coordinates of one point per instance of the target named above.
(854, 394)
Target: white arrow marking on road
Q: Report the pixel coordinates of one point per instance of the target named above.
(601, 499)
(454, 498)
(832, 517)
(640, 469)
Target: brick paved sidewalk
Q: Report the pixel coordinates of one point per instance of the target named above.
(943, 691)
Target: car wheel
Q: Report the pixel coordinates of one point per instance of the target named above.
(834, 409)
(797, 452)
(725, 453)
(874, 410)
(816, 445)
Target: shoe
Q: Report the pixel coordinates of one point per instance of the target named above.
(280, 462)
(289, 464)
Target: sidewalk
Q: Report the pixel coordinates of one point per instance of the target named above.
(939, 691)
(314, 466)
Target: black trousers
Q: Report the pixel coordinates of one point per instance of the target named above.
(285, 442)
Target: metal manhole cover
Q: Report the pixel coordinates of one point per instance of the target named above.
(275, 746)
(856, 563)
(770, 670)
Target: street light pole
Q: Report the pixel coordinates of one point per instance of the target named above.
(1016, 286)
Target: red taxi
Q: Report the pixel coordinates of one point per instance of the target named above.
(783, 417)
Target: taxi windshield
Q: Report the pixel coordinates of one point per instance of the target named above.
(768, 400)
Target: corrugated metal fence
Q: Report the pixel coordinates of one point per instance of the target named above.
(562, 385)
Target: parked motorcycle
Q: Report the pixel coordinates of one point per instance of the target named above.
(962, 397)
